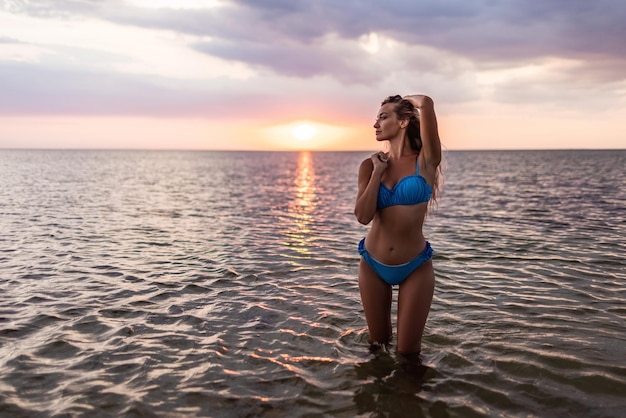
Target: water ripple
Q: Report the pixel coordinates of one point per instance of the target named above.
(224, 284)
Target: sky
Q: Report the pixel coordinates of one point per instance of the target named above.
(291, 74)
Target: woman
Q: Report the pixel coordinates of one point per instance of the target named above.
(394, 191)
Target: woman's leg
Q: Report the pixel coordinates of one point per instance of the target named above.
(376, 300)
(414, 299)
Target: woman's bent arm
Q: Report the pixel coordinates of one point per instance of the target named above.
(367, 196)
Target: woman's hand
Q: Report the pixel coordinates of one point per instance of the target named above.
(380, 161)
(419, 100)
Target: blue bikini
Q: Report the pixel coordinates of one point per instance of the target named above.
(410, 190)
(395, 274)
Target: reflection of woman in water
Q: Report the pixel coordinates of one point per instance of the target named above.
(393, 193)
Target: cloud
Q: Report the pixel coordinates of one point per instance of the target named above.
(52, 8)
(481, 30)
(7, 40)
(284, 57)
(288, 37)
(33, 89)
(37, 90)
(506, 51)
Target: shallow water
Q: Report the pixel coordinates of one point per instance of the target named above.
(224, 284)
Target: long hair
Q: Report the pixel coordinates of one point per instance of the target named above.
(405, 110)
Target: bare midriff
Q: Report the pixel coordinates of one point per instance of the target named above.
(396, 235)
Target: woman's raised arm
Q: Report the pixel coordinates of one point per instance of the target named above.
(431, 144)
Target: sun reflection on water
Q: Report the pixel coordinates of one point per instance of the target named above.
(302, 205)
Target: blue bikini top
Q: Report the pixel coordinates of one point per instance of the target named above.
(410, 190)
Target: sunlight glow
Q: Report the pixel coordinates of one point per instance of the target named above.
(303, 131)
(303, 134)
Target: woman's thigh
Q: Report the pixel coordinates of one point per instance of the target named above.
(376, 300)
(414, 299)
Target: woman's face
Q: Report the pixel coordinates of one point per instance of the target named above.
(387, 123)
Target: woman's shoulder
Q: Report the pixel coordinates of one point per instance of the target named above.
(365, 169)
(366, 164)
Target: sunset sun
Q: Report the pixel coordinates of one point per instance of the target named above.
(303, 132)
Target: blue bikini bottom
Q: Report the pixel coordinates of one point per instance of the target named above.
(395, 274)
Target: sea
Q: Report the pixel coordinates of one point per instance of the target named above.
(224, 284)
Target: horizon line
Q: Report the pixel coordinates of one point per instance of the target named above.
(297, 150)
